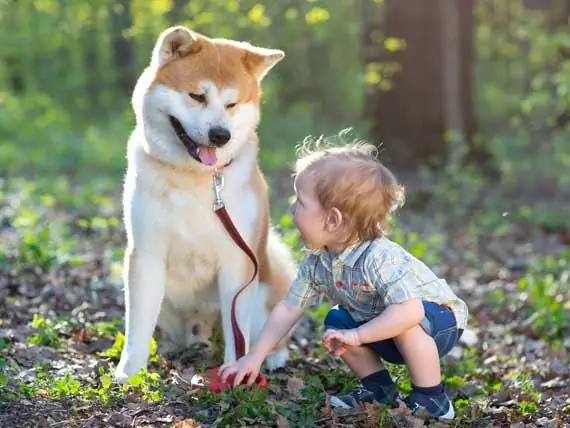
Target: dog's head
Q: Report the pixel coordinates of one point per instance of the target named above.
(198, 101)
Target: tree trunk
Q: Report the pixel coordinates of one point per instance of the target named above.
(123, 49)
(407, 120)
(14, 74)
(432, 92)
(477, 152)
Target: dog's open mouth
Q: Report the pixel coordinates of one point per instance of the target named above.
(203, 154)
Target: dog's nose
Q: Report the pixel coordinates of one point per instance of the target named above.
(219, 136)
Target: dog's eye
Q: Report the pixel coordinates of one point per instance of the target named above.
(201, 98)
(231, 105)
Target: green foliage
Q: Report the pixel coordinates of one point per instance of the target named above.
(74, 116)
(147, 385)
(546, 291)
(115, 350)
(425, 248)
(306, 411)
(244, 405)
(47, 332)
(523, 82)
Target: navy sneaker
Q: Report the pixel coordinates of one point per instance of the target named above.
(438, 406)
(360, 395)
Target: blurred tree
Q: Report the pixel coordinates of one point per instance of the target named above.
(420, 103)
(123, 49)
(563, 21)
(91, 57)
(177, 15)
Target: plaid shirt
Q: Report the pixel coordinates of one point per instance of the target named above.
(369, 276)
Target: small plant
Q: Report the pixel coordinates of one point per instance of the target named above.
(106, 328)
(3, 376)
(467, 365)
(546, 290)
(147, 384)
(47, 332)
(65, 386)
(115, 350)
(528, 408)
(307, 410)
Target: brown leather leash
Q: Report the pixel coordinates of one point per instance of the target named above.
(211, 378)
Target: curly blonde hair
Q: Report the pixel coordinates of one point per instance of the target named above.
(349, 177)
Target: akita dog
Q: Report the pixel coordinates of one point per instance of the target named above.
(197, 110)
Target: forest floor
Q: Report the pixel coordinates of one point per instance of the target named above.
(61, 322)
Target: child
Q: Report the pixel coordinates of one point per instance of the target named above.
(388, 303)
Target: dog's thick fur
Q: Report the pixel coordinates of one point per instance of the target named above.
(182, 269)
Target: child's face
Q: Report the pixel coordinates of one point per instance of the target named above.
(308, 216)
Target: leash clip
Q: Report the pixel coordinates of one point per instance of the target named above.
(218, 184)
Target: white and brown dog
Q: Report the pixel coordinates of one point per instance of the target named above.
(197, 109)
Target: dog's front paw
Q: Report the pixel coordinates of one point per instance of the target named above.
(277, 359)
(120, 377)
(125, 369)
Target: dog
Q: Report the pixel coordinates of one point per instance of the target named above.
(197, 110)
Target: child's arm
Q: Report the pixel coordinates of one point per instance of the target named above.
(282, 318)
(280, 321)
(396, 319)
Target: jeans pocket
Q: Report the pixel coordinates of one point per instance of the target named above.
(445, 340)
(437, 318)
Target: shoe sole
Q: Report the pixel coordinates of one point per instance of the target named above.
(338, 403)
(449, 415)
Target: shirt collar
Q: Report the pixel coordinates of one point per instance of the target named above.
(349, 256)
(352, 253)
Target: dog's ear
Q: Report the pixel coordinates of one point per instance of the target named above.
(174, 42)
(260, 60)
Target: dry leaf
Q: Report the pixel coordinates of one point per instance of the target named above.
(406, 421)
(282, 422)
(327, 408)
(371, 410)
(186, 423)
(294, 386)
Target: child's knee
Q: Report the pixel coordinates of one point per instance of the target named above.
(339, 318)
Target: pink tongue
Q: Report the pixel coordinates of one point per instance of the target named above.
(208, 155)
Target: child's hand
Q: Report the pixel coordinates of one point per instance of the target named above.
(248, 364)
(336, 340)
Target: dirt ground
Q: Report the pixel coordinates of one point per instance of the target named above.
(60, 327)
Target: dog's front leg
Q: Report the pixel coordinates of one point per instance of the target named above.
(231, 280)
(144, 291)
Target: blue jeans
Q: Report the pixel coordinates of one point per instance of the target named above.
(439, 322)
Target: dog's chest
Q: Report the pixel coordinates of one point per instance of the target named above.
(199, 245)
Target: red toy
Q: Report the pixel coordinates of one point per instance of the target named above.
(215, 384)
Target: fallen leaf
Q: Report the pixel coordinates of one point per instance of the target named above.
(469, 389)
(294, 386)
(503, 395)
(326, 411)
(371, 410)
(186, 423)
(119, 420)
(282, 422)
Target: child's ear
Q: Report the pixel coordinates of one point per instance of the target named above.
(333, 220)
